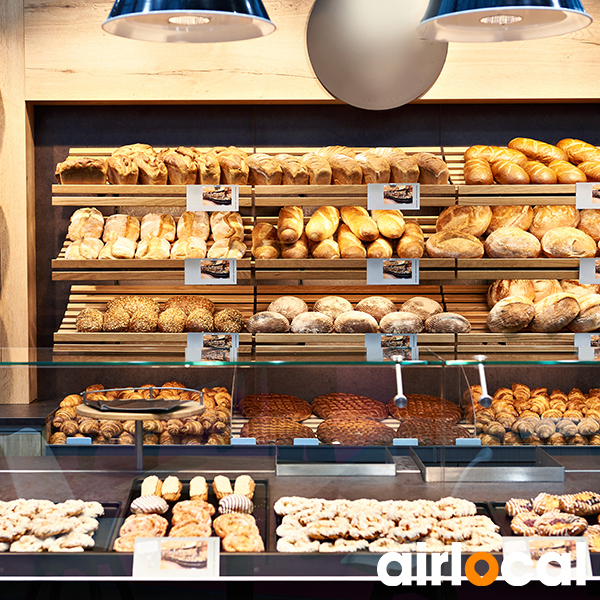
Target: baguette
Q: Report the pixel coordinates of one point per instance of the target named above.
(350, 245)
(380, 248)
(509, 173)
(591, 169)
(298, 249)
(478, 171)
(328, 249)
(265, 243)
(538, 151)
(539, 173)
(323, 224)
(375, 168)
(412, 242)
(319, 169)
(359, 221)
(389, 222)
(579, 151)
(567, 173)
(290, 224)
(495, 153)
(294, 172)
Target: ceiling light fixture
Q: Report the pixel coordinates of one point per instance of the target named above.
(501, 20)
(189, 20)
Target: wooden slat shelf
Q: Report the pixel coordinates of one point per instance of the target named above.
(518, 268)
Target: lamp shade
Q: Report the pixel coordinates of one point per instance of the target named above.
(501, 20)
(189, 20)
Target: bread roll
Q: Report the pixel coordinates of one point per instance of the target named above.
(447, 322)
(454, 244)
(568, 242)
(227, 248)
(567, 173)
(350, 245)
(226, 225)
(510, 216)
(401, 322)
(539, 173)
(157, 225)
(359, 221)
(189, 247)
(122, 170)
(473, 220)
(323, 224)
(422, 307)
(181, 165)
(510, 314)
(294, 172)
(193, 224)
(153, 248)
(209, 170)
(117, 247)
(290, 224)
(589, 223)
(588, 318)
(412, 242)
(151, 170)
(478, 171)
(265, 244)
(121, 226)
(329, 151)
(554, 312)
(538, 151)
(234, 169)
(572, 286)
(389, 222)
(87, 248)
(264, 170)
(298, 249)
(82, 170)
(312, 322)
(268, 322)
(546, 218)
(579, 151)
(376, 306)
(85, 223)
(432, 170)
(319, 170)
(354, 321)
(512, 242)
(288, 306)
(503, 288)
(345, 170)
(509, 173)
(544, 288)
(328, 249)
(380, 248)
(375, 168)
(333, 306)
(591, 169)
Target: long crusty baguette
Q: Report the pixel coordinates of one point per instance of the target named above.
(290, 224)
(350, 245)
(509, 173)
(536, 150)
(323, 224)
(478, 171)
(412, 242)
(328, 248)
(579, 151)
(298, 249)
(567, 173)
(389, 222)
(359, 221)
(380, 248)
(264, 241)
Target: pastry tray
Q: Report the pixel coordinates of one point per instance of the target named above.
(260, 500)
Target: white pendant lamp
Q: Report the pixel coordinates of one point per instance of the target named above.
(189, 20)
(501, 20)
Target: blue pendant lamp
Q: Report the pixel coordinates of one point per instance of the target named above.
(189, 20)
(501, 20)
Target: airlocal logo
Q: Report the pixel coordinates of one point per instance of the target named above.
(523, 563)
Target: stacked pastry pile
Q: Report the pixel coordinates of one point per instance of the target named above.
(141, 314)
(43, 526)
(349, 232)
(543, 305)
(141, 164)
(521, 415)
(549, 515)
(371, 315)
(515, 232)
(193, 518)
(318, 525)
(156, 237)
(531, 161)
(212, 427)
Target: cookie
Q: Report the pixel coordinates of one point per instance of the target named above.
(345, 546)
(411, 529)
(326, 529)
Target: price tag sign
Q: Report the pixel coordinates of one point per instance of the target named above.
(212, 347)
(392, 271)
(388, 196)
(588, 346)
(210, 271)
(176, 558)
(383, 346)
(212, 198)
(587, 195)
(589, 270)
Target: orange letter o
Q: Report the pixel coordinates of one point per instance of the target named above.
(474, 577)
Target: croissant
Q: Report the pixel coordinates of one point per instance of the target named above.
(68, 412)
(576, 440)
(166, 439)
(58, 438)
(588, 427)
(494, 428)
(219, 427)
(126, 437)
(129, 426)
(557, 439)
(544, 428)
(192, 440)
(566, 427)
(89, 427)
(111, 429)
(153, 426)
(174, 426)
(150, 439)
(208, 419)
(69, 428)
(57, 421)
(512, 439)
(192, 428)
(218, 439)
(71, 400)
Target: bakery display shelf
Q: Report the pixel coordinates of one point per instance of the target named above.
(517, 268)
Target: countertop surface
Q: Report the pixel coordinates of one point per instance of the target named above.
(32, 415)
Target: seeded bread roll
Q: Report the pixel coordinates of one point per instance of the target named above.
(590, 223)
(401, 322)
(568, 242)
(545, 287)
(422, 307)
(172, 320)
(572, 286)
(288, 306)
(229, 320)
(89, 320)
(510, 216)
(546, 218)
(503, 288)
(588, 318)
(510, 314)
(375, 168)
(312, 322)
(447, 323)
(454, 244)
(332, 306)
(512, 242)
(376, 306)
(268, 322)
(199, 320)
(473, 220)
(554, 312)
(355, 322)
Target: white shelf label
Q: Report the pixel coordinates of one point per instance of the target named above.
(212, 198)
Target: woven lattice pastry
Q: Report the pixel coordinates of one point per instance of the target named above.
(274, 405)
(275, 430)
(354, 431)
(432, 433)
(430, 407)
(333, 405)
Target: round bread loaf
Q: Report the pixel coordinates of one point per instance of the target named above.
(332, 306)
(568, 242)
(546, 218)
(422, 307)
(401, 322)
(545, 287)
(510, 314)
(512, 242)
(510, 216)
(89, 320)
(503, 288)
(447, 323)
(589, 223)
(588, 318)
(288, 306)
(572, 286)
(312, 322)
(172, 320)
(355, 321)
(454, 244)
(229, 320)
(376, 306)
(473, 220)
(268, 322)
(200, 320)
(554, 312)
